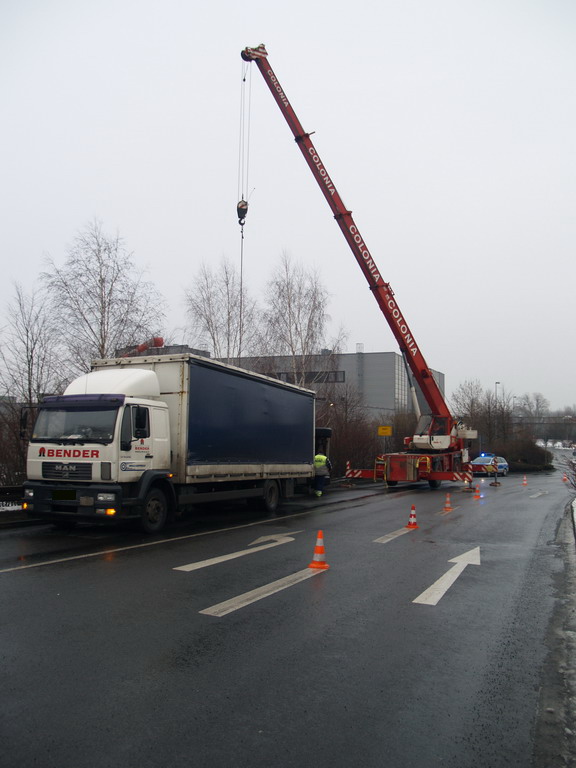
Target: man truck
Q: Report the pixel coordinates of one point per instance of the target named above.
(144, 437)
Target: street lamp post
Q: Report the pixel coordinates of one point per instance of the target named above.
(495, 407)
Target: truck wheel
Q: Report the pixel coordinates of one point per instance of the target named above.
(154, 512)
(434, 483)
(270, 496)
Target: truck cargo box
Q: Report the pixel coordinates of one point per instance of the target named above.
(228, 421)
(237, 417)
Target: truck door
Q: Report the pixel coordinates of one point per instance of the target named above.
(136, 454)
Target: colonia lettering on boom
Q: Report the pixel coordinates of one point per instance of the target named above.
(321, 170)
(392, 306)
(277, 87)
(365, 253)
(401, 323)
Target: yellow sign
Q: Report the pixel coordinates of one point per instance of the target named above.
(385, 431)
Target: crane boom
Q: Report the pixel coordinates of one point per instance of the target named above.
(382, 291)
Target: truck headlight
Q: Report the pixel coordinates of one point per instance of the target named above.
(28, 493)
(106, 497)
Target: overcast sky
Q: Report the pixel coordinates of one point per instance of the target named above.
(448, 127)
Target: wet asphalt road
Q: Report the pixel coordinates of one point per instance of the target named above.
(107, 658)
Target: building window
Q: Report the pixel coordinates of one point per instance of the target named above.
(315, 377)
(400, 386)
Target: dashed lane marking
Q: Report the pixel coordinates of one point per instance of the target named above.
(241, 601)
(394, 535)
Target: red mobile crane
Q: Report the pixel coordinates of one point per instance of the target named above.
(438, 449)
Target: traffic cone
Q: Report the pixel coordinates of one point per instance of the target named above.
(412, 519)
(477, 492)
(524, 482)
(565, 478)
(319, 559)
(447, 505)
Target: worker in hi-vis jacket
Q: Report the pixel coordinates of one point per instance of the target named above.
(322, 469)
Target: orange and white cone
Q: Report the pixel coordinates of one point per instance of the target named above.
(447, 505)
(524, 482)
(319, 559)
(565, 478)
(477, 492)
(412, 519)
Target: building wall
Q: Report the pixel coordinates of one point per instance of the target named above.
(379, 378)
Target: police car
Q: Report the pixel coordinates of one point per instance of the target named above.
(486, 462)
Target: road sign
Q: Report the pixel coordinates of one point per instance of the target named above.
(385, 430)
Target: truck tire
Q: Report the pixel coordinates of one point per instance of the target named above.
(270, 496)
(154, 511)
(434, 484)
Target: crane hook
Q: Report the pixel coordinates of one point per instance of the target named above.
(242, 210)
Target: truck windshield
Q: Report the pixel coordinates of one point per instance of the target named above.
(75, 425)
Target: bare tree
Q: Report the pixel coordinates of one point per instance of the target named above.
(29, 368)
(295, 317)
(490, 414)
(467, 401)
(101, 300)
(222, 314)
(30, 357)
(354, 434)
(536, 406)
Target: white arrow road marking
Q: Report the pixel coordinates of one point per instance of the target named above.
(394, 535)
(221, 609)
(273, 540)
(537, 495)
(436, 592)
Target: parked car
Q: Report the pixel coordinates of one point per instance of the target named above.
(484, 465)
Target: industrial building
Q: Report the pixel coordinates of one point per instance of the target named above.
(379, 379)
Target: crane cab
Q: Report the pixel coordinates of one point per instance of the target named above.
(432, 433)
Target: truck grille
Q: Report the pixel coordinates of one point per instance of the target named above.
(61, 470)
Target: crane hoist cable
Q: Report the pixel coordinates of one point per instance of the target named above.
(243, 172)
(244, 144)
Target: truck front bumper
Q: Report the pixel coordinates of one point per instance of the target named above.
(94, 502)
